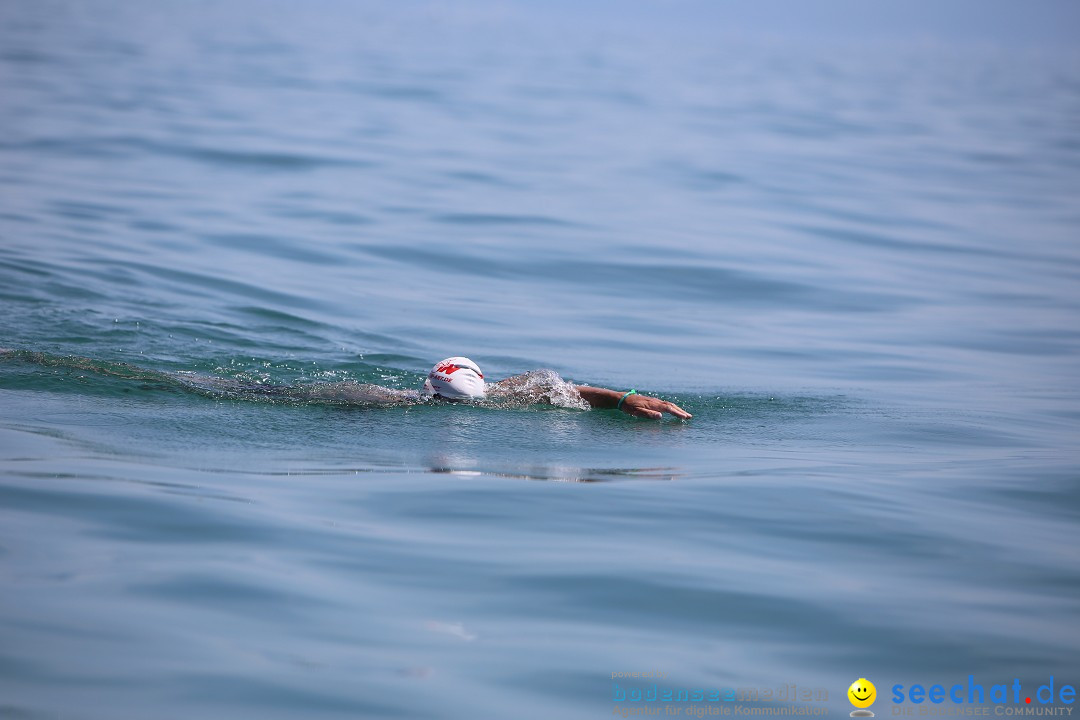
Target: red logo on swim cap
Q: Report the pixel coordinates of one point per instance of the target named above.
(451, 368)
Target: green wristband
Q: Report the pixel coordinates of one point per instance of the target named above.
(632, 392)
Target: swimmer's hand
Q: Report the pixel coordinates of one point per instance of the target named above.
(646, 406)
(638, 405)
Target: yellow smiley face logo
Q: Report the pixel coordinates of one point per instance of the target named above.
(862, 693)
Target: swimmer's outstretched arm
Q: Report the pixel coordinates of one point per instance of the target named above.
(536, 387)
(636, 404)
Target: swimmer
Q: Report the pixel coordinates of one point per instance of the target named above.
(459, 378)
(455, 379)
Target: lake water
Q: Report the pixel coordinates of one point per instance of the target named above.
(857, 266)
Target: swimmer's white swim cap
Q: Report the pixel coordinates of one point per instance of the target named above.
(456, 378)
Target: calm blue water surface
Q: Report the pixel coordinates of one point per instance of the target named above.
(857, 266)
